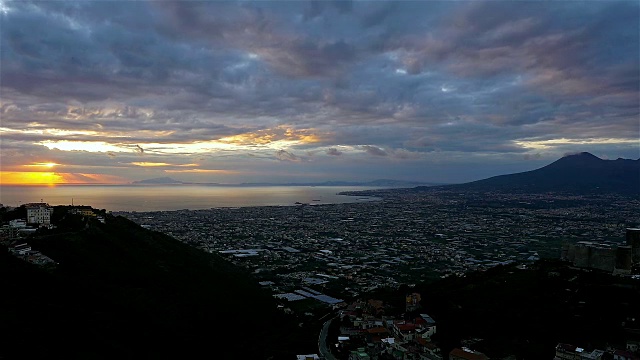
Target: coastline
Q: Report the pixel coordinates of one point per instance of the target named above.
(181, 196)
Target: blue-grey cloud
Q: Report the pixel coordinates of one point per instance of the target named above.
(409, 79)
(374, 150)
(284, 155)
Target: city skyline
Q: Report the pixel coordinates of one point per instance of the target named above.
(265, 91)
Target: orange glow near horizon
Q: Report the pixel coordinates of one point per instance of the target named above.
(30, 178)
(54, 178)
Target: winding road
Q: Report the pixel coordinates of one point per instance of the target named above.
(322, 341)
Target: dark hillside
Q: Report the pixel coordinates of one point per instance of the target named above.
(123, 291)
(527, 312)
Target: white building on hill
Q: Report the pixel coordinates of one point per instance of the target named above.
(39, 213)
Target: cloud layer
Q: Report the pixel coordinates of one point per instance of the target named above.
(269, 91)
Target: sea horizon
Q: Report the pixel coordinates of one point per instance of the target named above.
(170, 197)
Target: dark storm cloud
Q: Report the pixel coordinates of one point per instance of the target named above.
(406, 78)
(262, 28)
(562, 47)
(86, 55)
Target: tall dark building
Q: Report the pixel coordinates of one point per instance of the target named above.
(621, 259)
(633, 240)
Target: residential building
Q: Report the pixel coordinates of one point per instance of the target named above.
(570, 352)
(39, 213)
(428, 326)
(404, 331)
(82, 210)
(18, 224)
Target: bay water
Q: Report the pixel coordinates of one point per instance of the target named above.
(177, 197)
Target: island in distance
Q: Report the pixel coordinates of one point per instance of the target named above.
(158, 181)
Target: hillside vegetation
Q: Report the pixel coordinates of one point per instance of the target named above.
(122, 291)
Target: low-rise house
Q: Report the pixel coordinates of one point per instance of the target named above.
(83, 210)
(427, 326)
(430, 350)
(404, 331)
(18, 223)
(376, 334)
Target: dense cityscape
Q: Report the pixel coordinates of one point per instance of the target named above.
(403, 239)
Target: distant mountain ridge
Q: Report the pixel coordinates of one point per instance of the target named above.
(159, 180)
(379, 182)
(577, 173)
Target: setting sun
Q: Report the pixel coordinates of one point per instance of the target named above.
(44, 164)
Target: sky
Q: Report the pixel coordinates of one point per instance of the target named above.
(294, 91)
